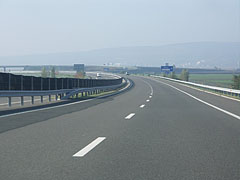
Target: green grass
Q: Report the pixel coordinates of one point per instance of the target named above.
(221, 80)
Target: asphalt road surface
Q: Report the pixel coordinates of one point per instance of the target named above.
(156, 130)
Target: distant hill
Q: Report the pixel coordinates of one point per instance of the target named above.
(191, 55)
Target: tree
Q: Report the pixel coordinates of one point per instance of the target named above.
(44, 73)
(236, 81)
(173, 75)
(53, 72)
(184, 75)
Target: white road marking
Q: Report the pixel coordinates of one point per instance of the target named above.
(142, 106)
(130, 116)
(69, 104)
(89, 147)
(46, 108)
(149, 86)
(150, 96)
(206, 91)
(204, 102)
(147, 100)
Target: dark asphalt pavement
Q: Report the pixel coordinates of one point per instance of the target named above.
(172, 137)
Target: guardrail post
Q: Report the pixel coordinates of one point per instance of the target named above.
(9, 101)
(32, 99)
(49, 98)
(41, 99)
(22, 100)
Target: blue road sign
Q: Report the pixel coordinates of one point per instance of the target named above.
(167, 69)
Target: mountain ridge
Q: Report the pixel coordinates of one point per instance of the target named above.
(189, 55)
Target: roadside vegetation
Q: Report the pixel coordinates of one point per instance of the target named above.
(221, 80)
(184, 76)
(236, 81)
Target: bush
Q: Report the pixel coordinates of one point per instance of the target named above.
(236, 81)
(184, 75)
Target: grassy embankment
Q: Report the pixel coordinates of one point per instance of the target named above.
(221, 80)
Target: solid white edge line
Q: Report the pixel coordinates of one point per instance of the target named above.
(204, 102)
(142, 106)
(206, 91)
(35, 110)
(130, 116)
(24, 112)
(89, 147)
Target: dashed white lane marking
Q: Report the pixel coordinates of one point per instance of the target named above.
(147, 100)
(130, 116)
(204, 102)
(89, 147)
(142, 106)
(150, 96)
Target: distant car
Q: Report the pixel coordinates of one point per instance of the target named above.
(98, 75)
(127, 73)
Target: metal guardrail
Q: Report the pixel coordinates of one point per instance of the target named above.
(94, 90)
(226, 91)
(63, 93)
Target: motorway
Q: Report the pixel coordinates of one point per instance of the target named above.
(93, 75)
(156, 130)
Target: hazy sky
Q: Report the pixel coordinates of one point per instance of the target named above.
(44, 26)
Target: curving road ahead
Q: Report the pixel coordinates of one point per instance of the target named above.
(156, 130)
